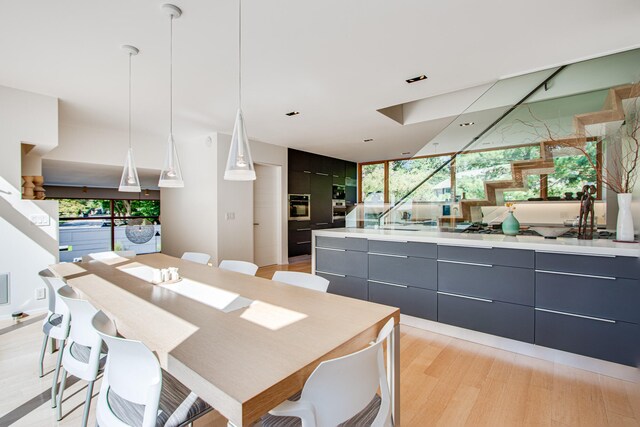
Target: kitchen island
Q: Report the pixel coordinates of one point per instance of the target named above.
(525, 293)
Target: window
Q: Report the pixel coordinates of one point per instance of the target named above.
(405, 175)
(96, 225)
(572, 171)
(473, 169)
(373, 183)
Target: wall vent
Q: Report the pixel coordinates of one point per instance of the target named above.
(4, 288)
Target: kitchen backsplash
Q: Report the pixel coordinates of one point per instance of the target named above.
(548, 213)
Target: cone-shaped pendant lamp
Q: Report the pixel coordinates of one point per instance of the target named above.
(171, 175)
(130, 181)
(239, 163)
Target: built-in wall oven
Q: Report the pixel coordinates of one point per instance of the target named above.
(338, 192)
(339, 209)
(299, 207)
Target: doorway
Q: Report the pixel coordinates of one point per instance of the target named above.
(267, 205)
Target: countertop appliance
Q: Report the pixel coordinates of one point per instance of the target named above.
(338, 192)
(480, 228)
(339, 209)
(299, 207)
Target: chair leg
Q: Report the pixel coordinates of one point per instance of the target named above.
(87, 404)
(63, 384)
(44, 349)
(56, 373)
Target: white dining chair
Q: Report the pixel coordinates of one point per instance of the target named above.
(198, 257)
(342, 390)
(56, 323)
(135, 391)
(243, 267)
(83, 354)
(303, 280)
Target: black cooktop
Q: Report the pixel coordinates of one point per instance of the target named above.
(497, 229)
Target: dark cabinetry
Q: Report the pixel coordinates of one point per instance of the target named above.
(321, 190)
(316, 175)
(582, 304)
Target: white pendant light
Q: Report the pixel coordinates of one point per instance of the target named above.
(171, 175)
(130, 181)
(239, 163)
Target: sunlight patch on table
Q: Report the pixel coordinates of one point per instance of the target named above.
(271, 316)
(210, 295)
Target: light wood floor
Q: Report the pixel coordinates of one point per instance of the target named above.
(445, 382)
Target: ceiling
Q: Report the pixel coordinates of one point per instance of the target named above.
(77, 174)
(335, 61)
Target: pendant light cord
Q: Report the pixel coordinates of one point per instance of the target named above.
(239, 54)
(171, 75)
(130, 54)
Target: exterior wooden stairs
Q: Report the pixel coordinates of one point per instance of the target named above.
(587, 127)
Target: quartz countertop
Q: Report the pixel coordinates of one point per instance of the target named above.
(562, 245)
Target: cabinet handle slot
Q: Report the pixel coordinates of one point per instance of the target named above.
(333, 249)
(465, 246)
(562, 273)
(387, 284)
(465, 263)
(389, 255)
(303, 243)
(575, 253)
(465, 297)
(330, 274)
(303, 229)
(322, 174)
(599, 319)
(306, 171)
(322, 223)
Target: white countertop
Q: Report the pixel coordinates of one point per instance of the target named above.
(561, 244)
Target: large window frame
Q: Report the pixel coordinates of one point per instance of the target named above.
(543, 177)
(112, 217)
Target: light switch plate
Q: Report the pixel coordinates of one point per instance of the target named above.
(231, 215)
(41, 293)
(40, 220)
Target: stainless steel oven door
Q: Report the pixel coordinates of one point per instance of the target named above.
(299, 207)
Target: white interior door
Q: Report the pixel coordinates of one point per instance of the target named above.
(266, 215)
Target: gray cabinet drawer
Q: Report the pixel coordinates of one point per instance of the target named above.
(350, 243)
(617, 342)
(487, 255)
(404, 270)
(591, 296)
(412, 301)
(340, 261)
(618, 266)
(416, 249)
(507, 284)
(492, 317)
(353, 287)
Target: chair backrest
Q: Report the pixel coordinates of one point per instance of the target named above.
(198, 257)
(303, 280)
(82, 331)
(239, 267)
(53, 284)
(340, 388)
(132, 372)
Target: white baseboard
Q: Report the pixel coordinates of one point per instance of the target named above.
(615, 370)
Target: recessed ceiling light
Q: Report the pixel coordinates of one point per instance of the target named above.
(467, 124)
(404, 153)
(416, 79)
(367, 140)
(293, 113)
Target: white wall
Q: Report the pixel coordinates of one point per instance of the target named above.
(189, 214)
(235, 238)
(25, 248)
(105, 146)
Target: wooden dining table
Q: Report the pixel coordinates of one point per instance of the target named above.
(243, 344)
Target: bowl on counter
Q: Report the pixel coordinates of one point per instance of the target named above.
(550, 232)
